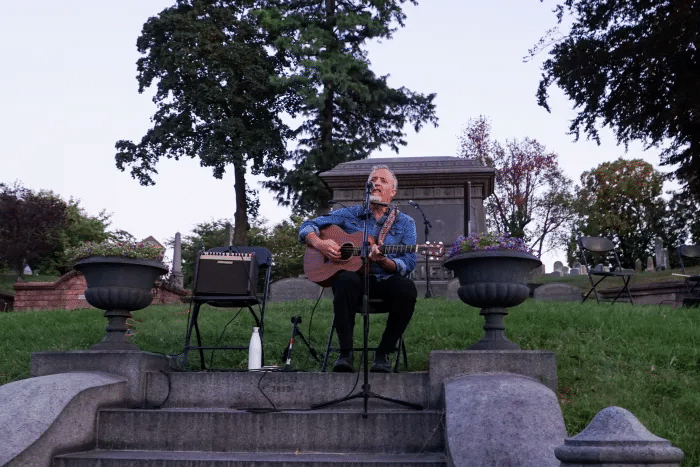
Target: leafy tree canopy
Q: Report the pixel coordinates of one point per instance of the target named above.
(633, 66)
(29, 225)
(215, 95)
(622, 200)
(347, 110)
(532, 198)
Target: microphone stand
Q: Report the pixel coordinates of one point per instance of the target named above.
(366, 392)
(428, 226)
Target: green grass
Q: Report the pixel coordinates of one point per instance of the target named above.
(643, 358)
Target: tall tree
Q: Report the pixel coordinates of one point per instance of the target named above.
(216, 96)
(622, 200)
(633, 66)
(532, 198)
(29, 225)
(347, 110)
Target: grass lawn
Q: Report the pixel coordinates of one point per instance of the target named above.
(643, 358)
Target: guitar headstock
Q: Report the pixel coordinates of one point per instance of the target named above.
(431, 249)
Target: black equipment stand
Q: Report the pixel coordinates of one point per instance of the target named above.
(366, 390)
(287, 352)
(428, 226)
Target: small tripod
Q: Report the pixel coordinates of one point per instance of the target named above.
(287, 352)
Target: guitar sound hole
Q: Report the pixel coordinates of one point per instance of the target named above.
(346, 251)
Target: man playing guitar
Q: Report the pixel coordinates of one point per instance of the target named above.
(389, 266)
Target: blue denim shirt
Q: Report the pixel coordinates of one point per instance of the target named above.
(402, 232)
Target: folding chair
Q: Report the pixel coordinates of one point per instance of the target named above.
(597, 246)
(375, 307)
(692, 282)
(228, 277)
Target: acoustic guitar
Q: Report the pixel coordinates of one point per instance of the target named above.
(322, 270)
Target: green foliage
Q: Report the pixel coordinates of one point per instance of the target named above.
(283, 241)
(643, 358)
(80, 227)
(532, 198)
(622, 200)
(631, 66)
(30, 225)
(216, 96)
(348, 111)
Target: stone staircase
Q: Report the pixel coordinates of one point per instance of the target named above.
(227, 419)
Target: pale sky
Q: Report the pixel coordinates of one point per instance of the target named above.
(69, 92)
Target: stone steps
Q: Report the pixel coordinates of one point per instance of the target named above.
(226, 419)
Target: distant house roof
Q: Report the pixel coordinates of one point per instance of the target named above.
(152, 241)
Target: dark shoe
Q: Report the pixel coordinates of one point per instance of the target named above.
(380, 364)
(344, 363)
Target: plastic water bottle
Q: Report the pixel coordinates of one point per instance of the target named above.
(255, 350)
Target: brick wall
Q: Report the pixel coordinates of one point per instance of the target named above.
(68, 293)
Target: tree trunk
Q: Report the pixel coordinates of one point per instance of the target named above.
(240, 230)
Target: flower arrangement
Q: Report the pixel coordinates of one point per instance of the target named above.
(488, 242)
(135, 250)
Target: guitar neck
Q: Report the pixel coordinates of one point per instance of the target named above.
(387, 249)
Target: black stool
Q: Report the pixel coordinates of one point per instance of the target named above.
(375, 307)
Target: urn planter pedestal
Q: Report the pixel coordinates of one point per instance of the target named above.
(119, 286)
(493, 280)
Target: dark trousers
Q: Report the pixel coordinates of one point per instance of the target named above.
(399, 295)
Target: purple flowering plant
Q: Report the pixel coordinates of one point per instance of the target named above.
(135, 250)
(489, 242)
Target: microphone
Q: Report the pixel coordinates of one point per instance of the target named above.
(370, 185)
(413, 203)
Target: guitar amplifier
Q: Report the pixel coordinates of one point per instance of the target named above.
(226, 274)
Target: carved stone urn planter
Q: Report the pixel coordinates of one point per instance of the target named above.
(493, 280)
(119, 286)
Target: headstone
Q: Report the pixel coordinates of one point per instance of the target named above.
(575, 271)
(296, 288)
(658, 254)
(598, 267)
(664, 258)
(229, 234)
(638, 265)
(176, 274)
(558, 291)
(558, 265)
(565, 270)
(556, 273)
(650, 264)
(452, 288)
(537, 272)
(27, 270)
(576, 265)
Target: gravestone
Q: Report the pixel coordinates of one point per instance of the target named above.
(558, 265)
(537, 272)
(565, 270)
(575, 271)
(664, 257)
(576, 265)
(556, 273)
(296, 288)
(638, 265)
(659, 255)
(557, 291)
(176, 277)
(650, 264)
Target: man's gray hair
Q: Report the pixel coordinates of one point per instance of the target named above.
(385, 167)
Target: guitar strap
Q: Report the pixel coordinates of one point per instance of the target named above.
(387, 225)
